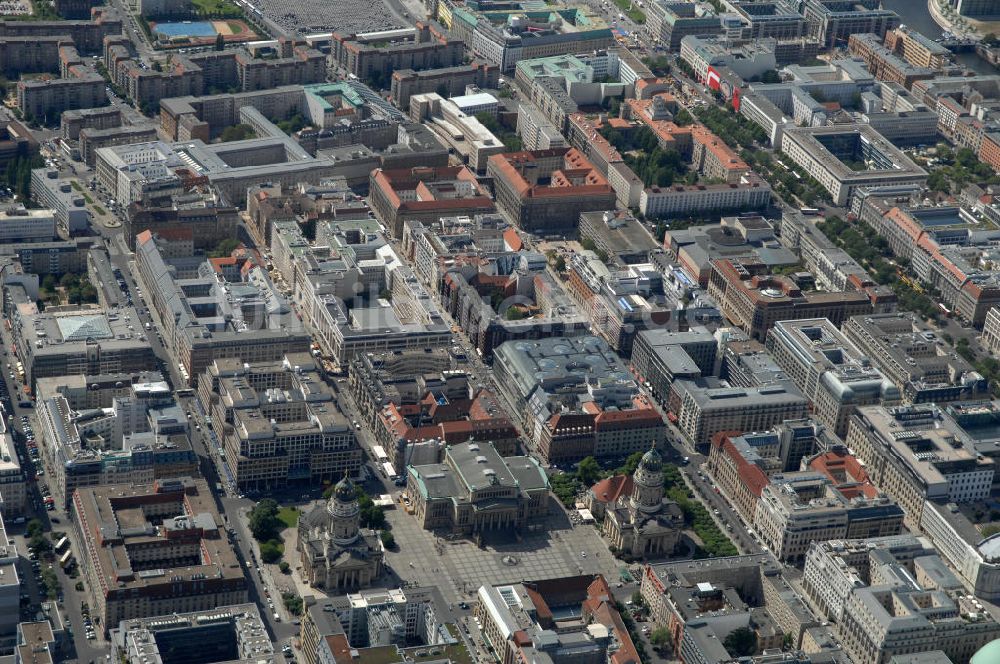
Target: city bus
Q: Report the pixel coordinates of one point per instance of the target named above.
(66, 557)
(379, 453)
(64, 542)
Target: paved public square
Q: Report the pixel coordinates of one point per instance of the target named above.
(458, 567)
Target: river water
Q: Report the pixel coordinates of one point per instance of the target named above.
(914, 13)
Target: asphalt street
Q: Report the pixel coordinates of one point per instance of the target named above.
(81, 650)
(231, 507)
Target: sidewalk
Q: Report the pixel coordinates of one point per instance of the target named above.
(294, 579)
(270, 576)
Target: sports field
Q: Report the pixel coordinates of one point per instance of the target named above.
(197, 33)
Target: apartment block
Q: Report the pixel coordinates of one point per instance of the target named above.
(91, 140)
(517, 621)
(660, 356)
(917, 49)
(670, 22)
(574, 408)
(923, 366)
(15, 140)
(548, 189)
(378, 54)
(910, 455)
(185, 564)
(86, 35)
(884, 63)
(829, 370)
(296, 63)
(426, 194)
(451, 80)
(834, 21)
(240, 314)
(754, 301)
(282, 422)
(827, 154)
(705, 407)
(45, 100)
(119, 427)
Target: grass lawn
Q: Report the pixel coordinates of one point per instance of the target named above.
(222, 8)
(633, 13)
(289, 516)
(99, 210)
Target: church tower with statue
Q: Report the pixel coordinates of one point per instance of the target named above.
(337, 554)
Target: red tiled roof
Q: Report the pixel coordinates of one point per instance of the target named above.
(512, 239)
(846, 473)
(340, 648)
(612, 488)
(751, 476)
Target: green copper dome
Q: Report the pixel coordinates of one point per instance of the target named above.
(988, 654)
(345, 491)
(651, 460)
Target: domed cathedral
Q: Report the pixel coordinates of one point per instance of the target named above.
(644, 524)
(336, 553)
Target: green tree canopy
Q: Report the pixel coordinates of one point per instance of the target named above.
(588, 471)
(270, 551)
(741, 642)
(631, 463)
(264, 521)
(660, 637)
(224, 248)
(237, 132)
